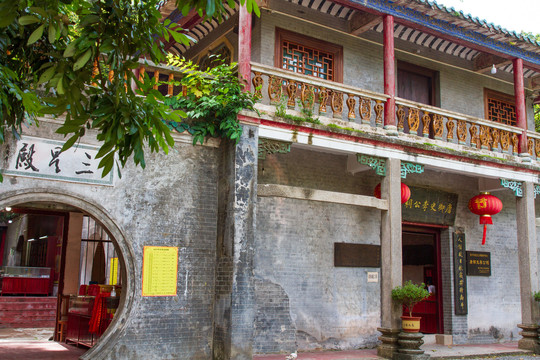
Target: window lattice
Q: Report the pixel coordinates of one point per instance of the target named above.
(501, 111)
(306, 60)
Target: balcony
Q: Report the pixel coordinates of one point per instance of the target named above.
(341, 106)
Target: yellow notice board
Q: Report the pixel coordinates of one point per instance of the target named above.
(113, 274)
(160, 268)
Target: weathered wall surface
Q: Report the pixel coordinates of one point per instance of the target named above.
(173, 202)
(303, 302)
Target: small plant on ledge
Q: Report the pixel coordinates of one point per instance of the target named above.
(211, 101)
(536, 296)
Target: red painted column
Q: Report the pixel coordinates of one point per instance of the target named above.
(244, 46)
(521, 112)
(389, 71)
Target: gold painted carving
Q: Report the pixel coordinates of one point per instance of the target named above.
(401, 117)
(379, 108)
(438, 127)
(485, 137)
(275, 90)
(291, 93)
(475, 139)
(351, 103)
(530, 146)
(365, 110)
(426, 120)
(462, 131)
(413, 120)
(450, 124)
(258, 83)
(515, 142)
(323, 97)
(307, 96)
(337, 103)
(505, 140)
(496, 138)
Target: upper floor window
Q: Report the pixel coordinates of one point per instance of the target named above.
(223, 49)
(417, 83)
(308, 56)
(499, 107)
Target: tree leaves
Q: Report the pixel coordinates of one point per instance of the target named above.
(82, 60)
(36, 35)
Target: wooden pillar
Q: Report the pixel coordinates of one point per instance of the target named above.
(391, 262)
(528, 266)
(244, 46)
(389, 74)
(521, 112)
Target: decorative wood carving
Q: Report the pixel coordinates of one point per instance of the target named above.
(496, 138)
(337, 103)
(530, 147)
(413, 120)
(537, 148)
(365, 110)
(307, 96)
(450, 125)
(379, 108)
(401, 117)
(485, 137)
(505, 140)
(291, 93)
(351, 104)
(323, 98)
(426, 120)
(515, 142)
(462, 132)
(275, 90)
(438, 127)
(257, 84)
(475, 139)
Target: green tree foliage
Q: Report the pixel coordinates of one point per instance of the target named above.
(410, 294)
(49, 50)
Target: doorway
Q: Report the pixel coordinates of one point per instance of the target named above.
(422, 264)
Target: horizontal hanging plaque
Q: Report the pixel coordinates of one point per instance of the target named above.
(430, 206)
(357, 255)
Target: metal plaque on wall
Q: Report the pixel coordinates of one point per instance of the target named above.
(460, 279)
(357, 255)
(430, 206)
(478, 263)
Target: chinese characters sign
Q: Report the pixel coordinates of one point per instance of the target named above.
(160, 269)
(41, 158)
(430, 206)
(460, 279)
(478, 263)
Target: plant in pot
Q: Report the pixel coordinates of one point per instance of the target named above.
(409, 295)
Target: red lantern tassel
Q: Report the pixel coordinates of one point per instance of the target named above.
(484, 238)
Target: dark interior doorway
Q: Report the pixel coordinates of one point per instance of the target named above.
(422, 264)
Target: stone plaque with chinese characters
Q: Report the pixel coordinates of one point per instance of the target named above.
(478, 263)
(460, 278)
(41, 158)
(430, 206)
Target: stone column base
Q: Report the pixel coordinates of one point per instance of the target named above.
(530, 337)
(389, 344)
(409, 347)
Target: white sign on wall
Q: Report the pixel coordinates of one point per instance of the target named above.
(41, 158)
(373, 277)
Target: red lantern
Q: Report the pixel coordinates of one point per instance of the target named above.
(485, 205)
(405, 192)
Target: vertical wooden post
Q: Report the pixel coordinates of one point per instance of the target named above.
(521, 112)
(244, 46)
(389, 73)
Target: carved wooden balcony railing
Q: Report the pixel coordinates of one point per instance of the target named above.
(327, 98)
(275, 86)
(433, 122)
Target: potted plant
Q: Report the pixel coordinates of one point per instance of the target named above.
(409, 295)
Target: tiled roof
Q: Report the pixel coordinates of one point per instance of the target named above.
(459, 18)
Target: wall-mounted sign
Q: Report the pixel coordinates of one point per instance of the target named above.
(460, 279)
(357, 255)
(373, 277)
(41, 158)
(160, 269)
(430, 206)
(478, 263)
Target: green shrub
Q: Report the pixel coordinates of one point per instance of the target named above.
(536, 296)
(410, 294)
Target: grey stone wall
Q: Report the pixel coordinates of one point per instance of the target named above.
(303, 302)
(173, 202)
